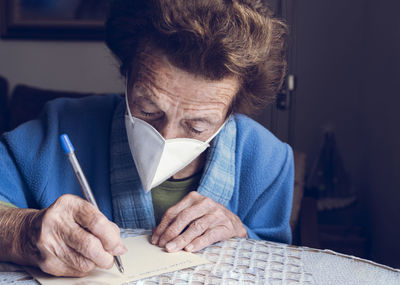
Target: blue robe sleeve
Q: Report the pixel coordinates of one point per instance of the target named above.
(32, 161)
(264, 182)
(271, 211)
(33, 169)
(27, 160)
(13, 190)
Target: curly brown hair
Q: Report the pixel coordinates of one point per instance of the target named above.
(210, 38)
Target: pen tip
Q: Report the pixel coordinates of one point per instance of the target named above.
(118, 263)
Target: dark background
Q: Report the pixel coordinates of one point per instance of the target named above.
(348, 69)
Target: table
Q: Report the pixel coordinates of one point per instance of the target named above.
(246, 261)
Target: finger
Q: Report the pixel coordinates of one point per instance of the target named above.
(107, 232)
(61, 260)
(211, 236)
(196, 229)
(171, 214)
(183, 220)
(89, 246)
(56, 267)
(76, 261)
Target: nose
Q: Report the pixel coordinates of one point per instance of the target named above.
(169, 131)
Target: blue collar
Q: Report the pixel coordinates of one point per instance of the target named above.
(132, 206)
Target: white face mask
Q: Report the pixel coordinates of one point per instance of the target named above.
(156, 158)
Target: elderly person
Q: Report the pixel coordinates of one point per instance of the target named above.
(174, 155)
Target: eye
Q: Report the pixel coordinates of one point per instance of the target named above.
(144, 108)
(193, 130)
(150, 114)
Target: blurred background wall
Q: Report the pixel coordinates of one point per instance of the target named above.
(60, 65)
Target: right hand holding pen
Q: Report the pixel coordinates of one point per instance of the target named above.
(71, 238)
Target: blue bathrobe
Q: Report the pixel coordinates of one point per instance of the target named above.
(248, 170)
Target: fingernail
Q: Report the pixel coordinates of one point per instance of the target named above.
(154, 239)
(189, 247)
(120, 250)
(170, 246)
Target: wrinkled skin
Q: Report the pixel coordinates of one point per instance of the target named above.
(207, 222)
(70, 238)
(182, 105)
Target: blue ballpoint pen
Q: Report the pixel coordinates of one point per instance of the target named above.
(87, 192)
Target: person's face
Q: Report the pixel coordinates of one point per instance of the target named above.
(179, 104)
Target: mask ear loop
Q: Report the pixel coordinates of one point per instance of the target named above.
(126, 97)
(217, 132)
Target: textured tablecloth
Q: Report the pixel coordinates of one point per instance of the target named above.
(245, 261)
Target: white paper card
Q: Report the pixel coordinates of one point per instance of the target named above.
(141, 261)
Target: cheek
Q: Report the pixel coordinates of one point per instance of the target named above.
(204, 137)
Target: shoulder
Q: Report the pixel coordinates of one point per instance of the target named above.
(248, 128)
(80, 116)
(259, 150)
(255, 138)
(84, 107)
(84, 119)
(35, 149)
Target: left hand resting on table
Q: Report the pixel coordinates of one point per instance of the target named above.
(206, 222)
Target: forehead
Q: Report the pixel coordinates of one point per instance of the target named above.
(163, 81)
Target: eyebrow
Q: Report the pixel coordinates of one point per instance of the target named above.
(203, 120)
(146, 94)
(148, 100)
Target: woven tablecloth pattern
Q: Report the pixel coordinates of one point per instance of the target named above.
(244, 261)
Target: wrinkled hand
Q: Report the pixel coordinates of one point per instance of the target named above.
(196, 222)
(71, 238)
